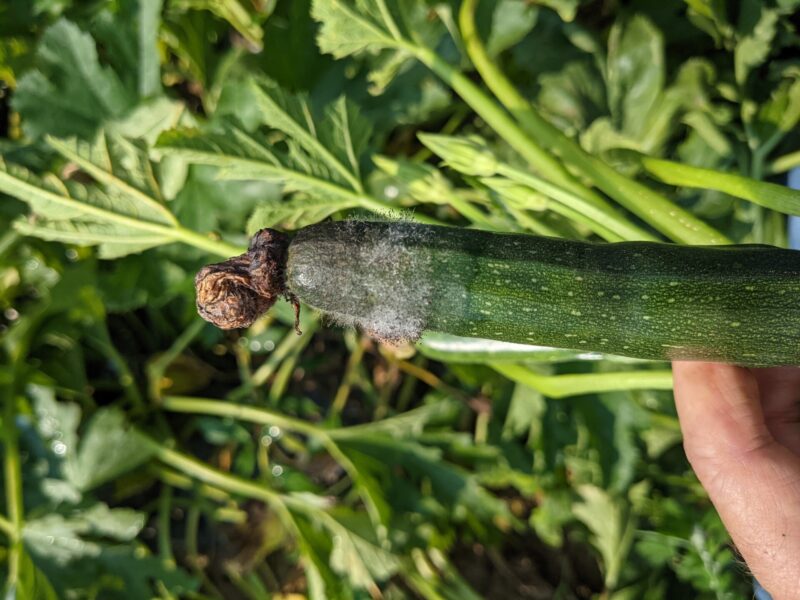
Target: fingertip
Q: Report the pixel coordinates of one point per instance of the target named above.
(719, 410)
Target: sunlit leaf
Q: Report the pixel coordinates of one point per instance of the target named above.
(348, 28)
(613, 528)
(108, 448)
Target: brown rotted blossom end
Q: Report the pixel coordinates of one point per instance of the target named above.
(234, 293)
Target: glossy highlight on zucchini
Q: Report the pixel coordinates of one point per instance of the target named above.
(397, 280)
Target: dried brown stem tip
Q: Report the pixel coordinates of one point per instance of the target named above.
(234, 293)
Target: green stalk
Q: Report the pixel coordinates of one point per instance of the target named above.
(164, 538)
(156, 369)
(563, 386)
(12, 470)
(473, 158)
(185, 404)
(203, 242)
(769, 195)
(7, 527)
(202, 472)
(99, 337)
(668, 218)
(180, 481)
(265, 417)
(291, 343)
(579, 209)
(504, 125)
(784, 163)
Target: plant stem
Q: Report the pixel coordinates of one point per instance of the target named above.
(100, 338)
(350, 372)
(388, 20)
(230, 483)
(157, 368)
(13, 485)
(203, 242)
(7, 527)
(164, 540)
(169, 477)
(579, 209)
(290, 343)
(769, 195)
(784, 163)
(199, 470)
(503, 124)
(185, 404)
(563, 386)
(668, 218)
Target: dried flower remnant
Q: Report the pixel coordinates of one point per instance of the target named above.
(234, 293)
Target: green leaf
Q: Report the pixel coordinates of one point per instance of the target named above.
(354, 552)
(350, 27)
(611, 526)
(125, 170)
(130, 283)
(125, 216)
(338, 140)
(243, 19)
(361, 560)
(72, 93)
(285, 46)
(511, 21)
(321, 156)
(149, 63)
(108, 448)
(295, 213)
(573, 95)
(148, 119)
(759, 25)
(566, 9)
(208, 203)
(419, 181)
(63, 539)
(242, 156)
(524, 414)
(135, 573)
(32, 584)
(779, 115)
(56, 422)
(710, 565)
(770, 195)
(451, 484)
(612, 423)
(365, 28)
(69, 212)
(347, 133)
(634, 71)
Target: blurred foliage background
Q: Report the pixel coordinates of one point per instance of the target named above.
(148, 454)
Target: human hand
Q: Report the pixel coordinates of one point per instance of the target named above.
(741, 432)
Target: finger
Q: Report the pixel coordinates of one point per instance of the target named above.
(780, 398)
(719, 409)
(753, 481)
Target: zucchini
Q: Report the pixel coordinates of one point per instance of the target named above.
(396, 280)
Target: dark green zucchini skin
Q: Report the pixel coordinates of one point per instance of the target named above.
(736, 304)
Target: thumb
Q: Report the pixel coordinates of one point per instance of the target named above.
(753, 481)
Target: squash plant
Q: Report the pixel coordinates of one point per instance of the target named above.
(538, 132)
